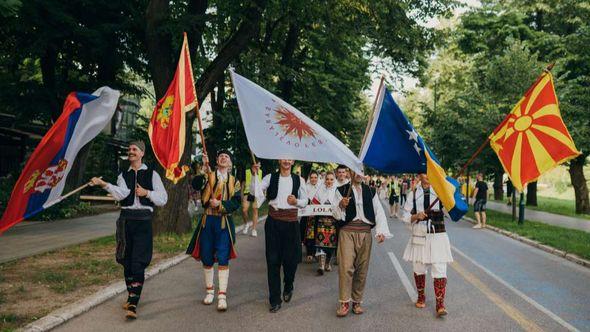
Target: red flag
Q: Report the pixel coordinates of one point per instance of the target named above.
(533, 139)
(167, 126)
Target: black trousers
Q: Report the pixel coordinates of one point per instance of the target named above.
(283, 249)
(139, 246)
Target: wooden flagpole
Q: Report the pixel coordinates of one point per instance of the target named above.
(70, 193)
(369, 123)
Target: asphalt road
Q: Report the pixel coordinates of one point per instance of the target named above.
(495, 284)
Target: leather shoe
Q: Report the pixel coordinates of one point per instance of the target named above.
(275, 308)
(287, 296)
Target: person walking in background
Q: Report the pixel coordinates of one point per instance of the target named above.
(393, 198)
(248, 200)
(480, 194)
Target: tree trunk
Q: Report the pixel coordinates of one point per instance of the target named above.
(48, 63)
(531, 194)
(498, 186)
(287, 80)
(174, 216)
(578, 180)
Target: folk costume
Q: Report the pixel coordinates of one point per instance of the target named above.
(134, 226)
(363, 213)
(282, 238)
(214, 238)
(429, 245)
(307, 224)
(326, 232)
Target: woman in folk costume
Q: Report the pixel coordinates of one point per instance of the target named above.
(307, 224)
(429, 245)
(214, 237)
(326, 233)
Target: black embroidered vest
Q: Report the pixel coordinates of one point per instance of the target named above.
(368, 210)
(273, 189)
(144, 179)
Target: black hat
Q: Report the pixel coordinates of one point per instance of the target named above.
(224, 151)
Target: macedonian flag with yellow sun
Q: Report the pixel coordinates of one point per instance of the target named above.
(533, 139)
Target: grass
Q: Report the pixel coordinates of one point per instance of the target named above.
(34, 286)
(564, 207)
(568, 240)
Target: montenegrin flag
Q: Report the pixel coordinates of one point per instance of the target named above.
(533, 139)
(277, 130)
(393, 146)
(42, 180)
(167, 126)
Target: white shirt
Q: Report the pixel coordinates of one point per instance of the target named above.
(381, 227)
(327, 195)
(312, 190)
(158, 196)
(340, 184)
(409, 205)
(285, 188)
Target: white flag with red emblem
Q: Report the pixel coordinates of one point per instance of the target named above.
(277, 130)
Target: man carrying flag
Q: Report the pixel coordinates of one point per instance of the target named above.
(214, 237)
(138, 189)
(429, 244)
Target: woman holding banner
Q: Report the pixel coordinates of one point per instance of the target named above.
(326, 237)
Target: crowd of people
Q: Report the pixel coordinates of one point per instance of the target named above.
(352, 218)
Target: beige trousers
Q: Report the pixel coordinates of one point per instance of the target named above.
(354, 252)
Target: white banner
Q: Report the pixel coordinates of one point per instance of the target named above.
(315, 210)
(277, 130)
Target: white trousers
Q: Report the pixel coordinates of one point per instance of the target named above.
(437, 270)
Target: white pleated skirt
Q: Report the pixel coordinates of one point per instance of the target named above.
(437, 249)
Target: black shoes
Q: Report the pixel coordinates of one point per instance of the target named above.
(274, 308)
(287, 296)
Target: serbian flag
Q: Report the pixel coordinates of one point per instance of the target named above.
(277, 130)
(533, 139)
(42, 181)
(393, 146)
(167, 126)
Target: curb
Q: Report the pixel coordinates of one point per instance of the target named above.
(559, 253)
(62, 315)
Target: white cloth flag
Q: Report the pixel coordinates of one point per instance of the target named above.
(277, 130)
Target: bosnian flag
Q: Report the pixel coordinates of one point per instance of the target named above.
(277, 130)
(393, 146)
(42, 181)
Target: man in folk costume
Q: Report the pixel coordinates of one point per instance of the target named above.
(286, 194)
(358, 210)
(307, 224)
(326, 237)
(429, 245)
(138, 189)
(214, 237)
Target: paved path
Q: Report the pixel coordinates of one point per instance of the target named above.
(495, 284)
(544, 217)
(25, 240)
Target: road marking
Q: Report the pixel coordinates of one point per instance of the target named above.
(534, 303)
(403, 277)
(508, 309)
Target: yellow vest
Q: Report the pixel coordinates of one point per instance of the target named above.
(249, 180)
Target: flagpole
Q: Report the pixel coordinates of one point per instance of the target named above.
(483, 145)
(368, 125)
(57, 200)
(200, 123)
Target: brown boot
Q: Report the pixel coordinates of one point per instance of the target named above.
(420, 280)
(131, 312)
(343, 309)
(440, 288)
(357, 309)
